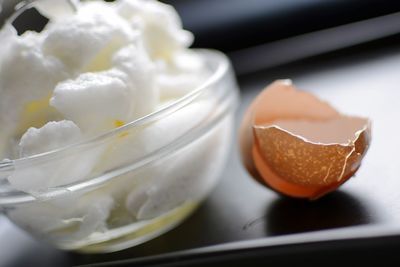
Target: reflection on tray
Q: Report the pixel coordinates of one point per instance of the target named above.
(338, 209)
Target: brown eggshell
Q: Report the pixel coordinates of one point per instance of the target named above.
(307, 159)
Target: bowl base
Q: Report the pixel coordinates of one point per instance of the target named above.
(133, 234)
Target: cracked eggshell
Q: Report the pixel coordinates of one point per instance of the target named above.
(299, 145)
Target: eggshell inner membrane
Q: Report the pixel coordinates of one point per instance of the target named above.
(341, 130)
(279, 101)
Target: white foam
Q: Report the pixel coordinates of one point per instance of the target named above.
(87, 40)
(56, 9)
(95, 101)
(51, 136)
(25, 75)
(186, 176)
(139, 74)
(40, 176)
(86, 213)
(102, 66)
(160, 25)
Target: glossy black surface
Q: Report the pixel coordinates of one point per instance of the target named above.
(236, 24)
(363, 80)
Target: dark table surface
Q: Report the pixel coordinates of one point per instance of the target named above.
(362, 81)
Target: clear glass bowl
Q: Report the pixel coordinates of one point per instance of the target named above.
(153, 172)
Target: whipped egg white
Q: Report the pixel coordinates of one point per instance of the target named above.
(91, 70)
(103, 65)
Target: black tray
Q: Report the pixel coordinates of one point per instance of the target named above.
(245, 223)
(242, 219)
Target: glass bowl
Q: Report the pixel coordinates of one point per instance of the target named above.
(150, 173)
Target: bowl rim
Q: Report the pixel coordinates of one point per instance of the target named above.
(221, 70)
(217, 75)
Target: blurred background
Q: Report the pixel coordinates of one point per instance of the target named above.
(260, 34)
